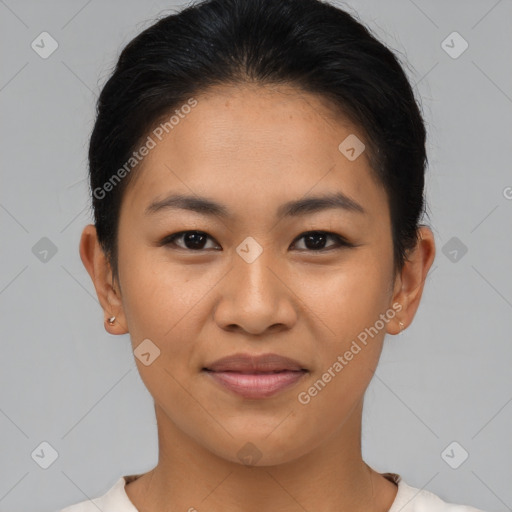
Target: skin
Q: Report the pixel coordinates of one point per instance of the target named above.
(253, 148)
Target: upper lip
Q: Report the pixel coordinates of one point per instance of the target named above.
(247, 363)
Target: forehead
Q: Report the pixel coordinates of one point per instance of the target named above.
(251, 147)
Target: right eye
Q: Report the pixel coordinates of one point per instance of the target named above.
(192, 240)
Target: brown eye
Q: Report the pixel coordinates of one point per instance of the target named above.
(316, 240)
(192, 240)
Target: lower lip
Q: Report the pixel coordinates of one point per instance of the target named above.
(257, 385)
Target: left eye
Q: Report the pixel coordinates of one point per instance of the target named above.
(317, 239)
(314, 240)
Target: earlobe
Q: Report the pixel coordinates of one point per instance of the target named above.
(98, 268)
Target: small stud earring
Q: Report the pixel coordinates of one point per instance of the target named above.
(401, 324)
(111, 320)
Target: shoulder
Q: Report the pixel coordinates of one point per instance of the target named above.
(412, 499)
(114, 500)
(408, 499)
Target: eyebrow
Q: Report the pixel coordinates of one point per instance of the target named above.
(206, 206)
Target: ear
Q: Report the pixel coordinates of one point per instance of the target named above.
(97, 266)
(409, 284)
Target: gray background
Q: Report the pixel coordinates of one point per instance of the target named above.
(66, 381)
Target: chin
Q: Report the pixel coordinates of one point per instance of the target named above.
(261, 448)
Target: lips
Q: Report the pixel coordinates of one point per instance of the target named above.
(255, 377)
(251, 364)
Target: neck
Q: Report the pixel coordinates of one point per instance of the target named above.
(331, 477)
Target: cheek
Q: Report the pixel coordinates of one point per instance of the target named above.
(167, 304)
(347, 303)
(346, 299)
(160, 306)
(156, 293)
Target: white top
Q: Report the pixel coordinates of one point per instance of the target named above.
(408, 499)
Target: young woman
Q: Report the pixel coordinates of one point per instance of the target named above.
(257, 177)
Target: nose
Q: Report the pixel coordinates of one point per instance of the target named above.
(255, 297)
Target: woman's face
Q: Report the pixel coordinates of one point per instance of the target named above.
(253, 283)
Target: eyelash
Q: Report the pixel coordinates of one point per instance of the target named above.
(342, 242)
